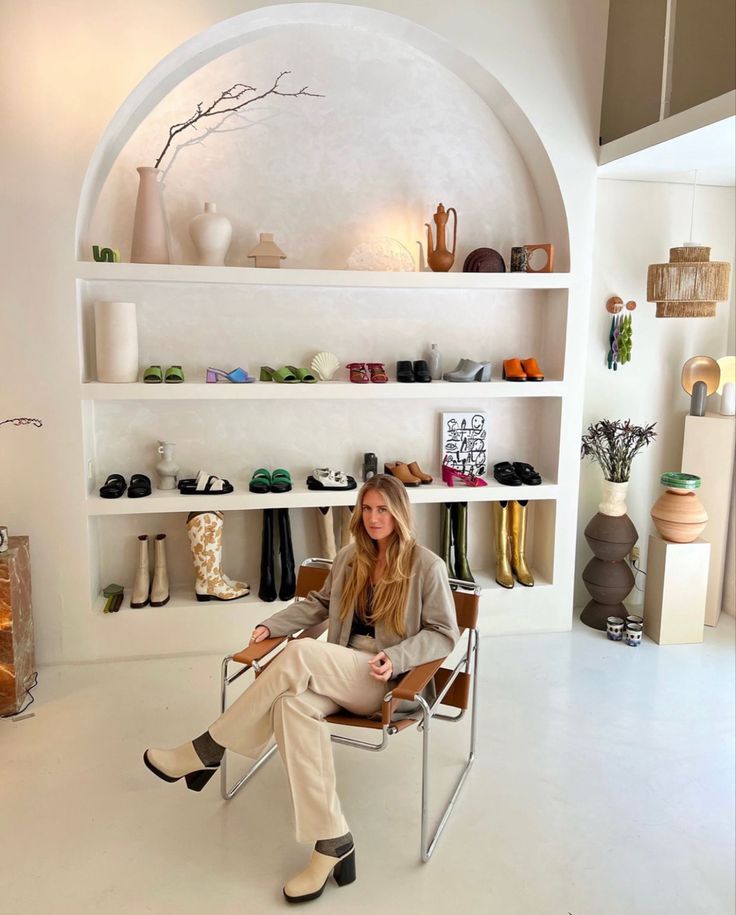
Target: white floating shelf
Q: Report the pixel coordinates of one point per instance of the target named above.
(300, 497)
(251, 276)
(183, 599)
(324, 390)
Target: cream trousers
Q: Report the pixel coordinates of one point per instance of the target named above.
(289, 701)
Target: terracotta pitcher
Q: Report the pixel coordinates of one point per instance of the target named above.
(440, 260)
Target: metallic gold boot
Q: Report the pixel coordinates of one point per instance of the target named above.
(501, 536)
(517, 531)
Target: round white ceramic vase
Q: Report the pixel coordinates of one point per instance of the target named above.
(211, 233)
(614, 499)
(116, 342)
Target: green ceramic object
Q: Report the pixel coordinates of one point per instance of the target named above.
(680, 480)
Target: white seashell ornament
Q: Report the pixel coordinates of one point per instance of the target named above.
(325, 365)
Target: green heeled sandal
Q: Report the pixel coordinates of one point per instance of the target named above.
(283, 375)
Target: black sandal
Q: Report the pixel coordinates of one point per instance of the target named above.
(140, 485)
(504, 472)
(113, 487)
(527, 474)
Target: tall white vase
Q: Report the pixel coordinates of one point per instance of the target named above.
(116, 342)
(150, 235)
(614, 499)
(211, 233)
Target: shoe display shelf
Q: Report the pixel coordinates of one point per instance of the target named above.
(226, 317)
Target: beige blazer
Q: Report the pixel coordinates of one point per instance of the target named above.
(431, 622)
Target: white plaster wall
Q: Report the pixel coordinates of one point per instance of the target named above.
(75, 66)
(637, 223)
(395, 134)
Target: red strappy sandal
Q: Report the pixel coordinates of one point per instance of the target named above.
(358, 372)
(378, 372)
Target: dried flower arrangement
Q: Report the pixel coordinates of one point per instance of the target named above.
(614, 444)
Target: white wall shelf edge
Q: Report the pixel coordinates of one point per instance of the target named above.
(301, 497)
(251, 276)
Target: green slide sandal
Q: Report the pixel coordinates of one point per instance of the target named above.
(260, 481)
(280, 480)
(302, 374)
(283, 375)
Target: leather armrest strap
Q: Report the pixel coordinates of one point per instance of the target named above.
(416, 679)
(258, 650)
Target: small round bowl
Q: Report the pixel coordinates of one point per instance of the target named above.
(674, 480)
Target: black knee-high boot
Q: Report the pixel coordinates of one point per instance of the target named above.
(286, 555)
(267, 587)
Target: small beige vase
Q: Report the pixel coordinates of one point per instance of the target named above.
(614, 499)
(150, 235)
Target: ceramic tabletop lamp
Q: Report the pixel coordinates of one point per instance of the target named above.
(727, 385)
(700, 378)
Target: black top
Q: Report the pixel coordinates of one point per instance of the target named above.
(362, 623)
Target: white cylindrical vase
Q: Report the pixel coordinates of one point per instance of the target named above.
(116, 342)
(211, 233)
(614, 499)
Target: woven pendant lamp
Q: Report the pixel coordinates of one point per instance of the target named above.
(689, 285)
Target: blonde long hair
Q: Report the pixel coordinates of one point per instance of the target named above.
(391, 592)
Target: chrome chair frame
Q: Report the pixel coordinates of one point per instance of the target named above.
(468, 663)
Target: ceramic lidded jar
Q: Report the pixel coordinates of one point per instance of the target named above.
(678, 514)
(211, 233)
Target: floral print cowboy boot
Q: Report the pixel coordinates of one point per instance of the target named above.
(205, 540)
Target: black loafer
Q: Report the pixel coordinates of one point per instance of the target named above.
(404, 371)
(421, 371)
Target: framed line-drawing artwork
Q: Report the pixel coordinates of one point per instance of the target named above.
(464, 441)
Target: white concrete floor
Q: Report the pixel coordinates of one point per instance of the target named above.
(603, 785)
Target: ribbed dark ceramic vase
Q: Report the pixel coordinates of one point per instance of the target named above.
(608, 576)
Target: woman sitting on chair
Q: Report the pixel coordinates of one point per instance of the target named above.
(390, 608)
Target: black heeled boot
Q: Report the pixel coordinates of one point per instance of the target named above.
(446, 537)
(267, 587)
(460, 536)
(286, 555)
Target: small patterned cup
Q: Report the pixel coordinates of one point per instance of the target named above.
(632, 618)
(615, 628)
(633, 634)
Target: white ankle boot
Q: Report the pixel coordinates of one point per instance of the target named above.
(160, 584)
(141, 585)
(205, 539)
(310, 883)
(181, 762)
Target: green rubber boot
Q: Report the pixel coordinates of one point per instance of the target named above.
(446, 537)
(460, 535)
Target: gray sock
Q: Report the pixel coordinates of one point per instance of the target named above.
(335, 847)
(208, 749)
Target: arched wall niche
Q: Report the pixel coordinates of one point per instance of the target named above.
(538, 204)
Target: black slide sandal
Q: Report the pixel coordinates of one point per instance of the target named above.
(113, 487)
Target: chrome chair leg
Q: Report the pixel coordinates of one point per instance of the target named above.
(428, 844)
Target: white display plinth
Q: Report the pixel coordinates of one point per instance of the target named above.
(708, 451)
(676, 590)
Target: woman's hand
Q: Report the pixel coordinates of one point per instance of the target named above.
(381, 667)
(259, 634)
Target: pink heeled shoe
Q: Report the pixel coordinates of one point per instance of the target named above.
(450, 474)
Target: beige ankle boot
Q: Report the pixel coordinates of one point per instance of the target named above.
(141, 585)
(309, 883)
(517, 534)
(160, 584)
(205, 539)
(328, 547)
(501, 536)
